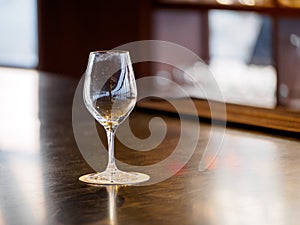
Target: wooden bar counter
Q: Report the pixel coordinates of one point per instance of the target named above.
(255, 179)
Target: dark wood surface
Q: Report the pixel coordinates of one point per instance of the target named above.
(254, 180)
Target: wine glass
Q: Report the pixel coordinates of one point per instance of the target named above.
(110, 95)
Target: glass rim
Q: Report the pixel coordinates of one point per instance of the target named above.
(109, 51)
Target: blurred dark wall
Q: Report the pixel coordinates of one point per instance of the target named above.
(69, 30)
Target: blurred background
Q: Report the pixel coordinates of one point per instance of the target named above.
(251, 46)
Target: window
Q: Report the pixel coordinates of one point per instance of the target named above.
(18, 29)
(241, 57)
(240, 53)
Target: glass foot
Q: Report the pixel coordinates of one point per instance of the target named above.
(114, 178)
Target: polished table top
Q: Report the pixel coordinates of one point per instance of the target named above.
(254, 180)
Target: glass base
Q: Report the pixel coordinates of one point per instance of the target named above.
(116, 177)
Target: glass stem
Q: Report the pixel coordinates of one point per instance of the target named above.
(111, 165)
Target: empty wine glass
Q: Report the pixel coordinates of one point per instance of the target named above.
(110, 95)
